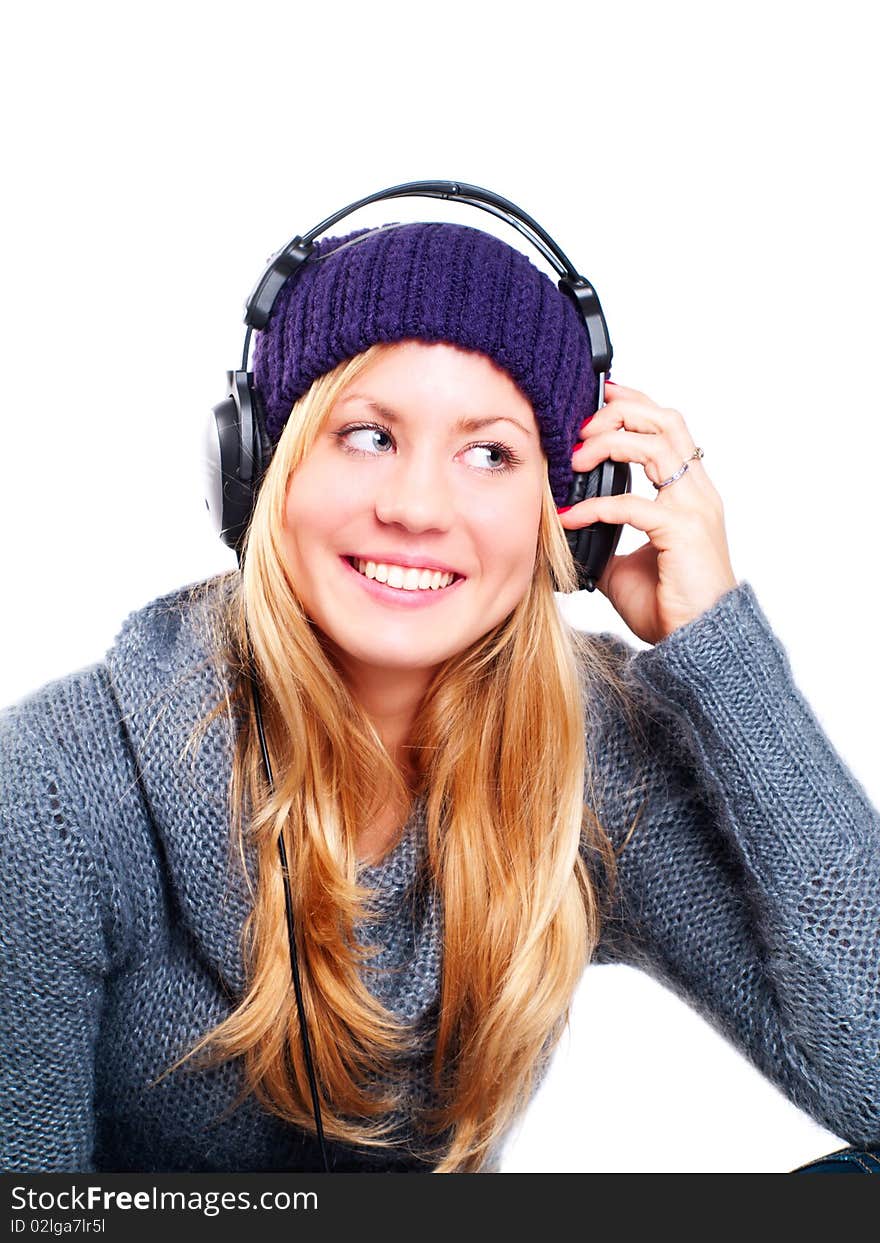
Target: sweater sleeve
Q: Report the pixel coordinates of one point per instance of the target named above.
(53, 956)
(750, 883)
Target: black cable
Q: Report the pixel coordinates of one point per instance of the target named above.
(291, 936)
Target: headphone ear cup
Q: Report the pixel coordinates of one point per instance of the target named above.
(237, 453)
(221, 458)
(263, 446)
(593, 547)
(255, 450)
(591, 485)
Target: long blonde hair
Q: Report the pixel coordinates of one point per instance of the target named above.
(499, 749)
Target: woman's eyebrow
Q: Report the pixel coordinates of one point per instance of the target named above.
(463, 425)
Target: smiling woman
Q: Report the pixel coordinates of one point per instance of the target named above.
(426, 502)
(471, 799)
(406, 692)
(421, 496)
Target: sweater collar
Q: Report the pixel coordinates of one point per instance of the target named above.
(165, 683)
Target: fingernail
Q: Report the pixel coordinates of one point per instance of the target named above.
(611, 382)
(563, 509)
(578, 444)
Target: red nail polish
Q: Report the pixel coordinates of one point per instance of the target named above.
(578, 444)
(611, 382)
(563, 509)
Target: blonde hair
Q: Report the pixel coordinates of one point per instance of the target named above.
(498, 746)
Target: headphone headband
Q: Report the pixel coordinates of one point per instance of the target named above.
(285, 261)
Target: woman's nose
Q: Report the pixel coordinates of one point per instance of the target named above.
(416, 493)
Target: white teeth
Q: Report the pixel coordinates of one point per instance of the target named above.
(404, 577)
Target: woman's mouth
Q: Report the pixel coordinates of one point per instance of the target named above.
(402, 586)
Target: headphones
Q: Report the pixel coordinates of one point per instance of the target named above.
(238, 450)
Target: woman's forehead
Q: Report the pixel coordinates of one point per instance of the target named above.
(411, 378)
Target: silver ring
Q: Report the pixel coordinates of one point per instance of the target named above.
(698, 453)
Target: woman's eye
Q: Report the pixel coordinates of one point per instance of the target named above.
(370, 440)
(491, 451)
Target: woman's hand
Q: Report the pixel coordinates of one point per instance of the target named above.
(685, 565)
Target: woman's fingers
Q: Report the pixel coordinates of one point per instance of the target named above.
(619, 392)
(635, 511)
(633, 428)
(685, 566)
(661, 454)
(635, 416)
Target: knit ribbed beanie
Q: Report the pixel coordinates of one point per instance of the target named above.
(431, 281)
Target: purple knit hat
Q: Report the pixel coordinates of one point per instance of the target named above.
(434, 282)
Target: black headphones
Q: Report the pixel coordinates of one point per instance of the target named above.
(238, 454)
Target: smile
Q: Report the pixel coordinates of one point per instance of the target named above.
(410, 593)
(404, 577)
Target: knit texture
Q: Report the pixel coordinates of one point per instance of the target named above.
(750, 888)
(434, 282)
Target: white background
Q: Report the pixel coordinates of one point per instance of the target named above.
(712, 170)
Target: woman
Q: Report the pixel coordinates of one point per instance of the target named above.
(476, 800)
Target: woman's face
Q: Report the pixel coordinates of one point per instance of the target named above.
(415, 489)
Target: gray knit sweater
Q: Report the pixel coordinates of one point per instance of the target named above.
(750, 888)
